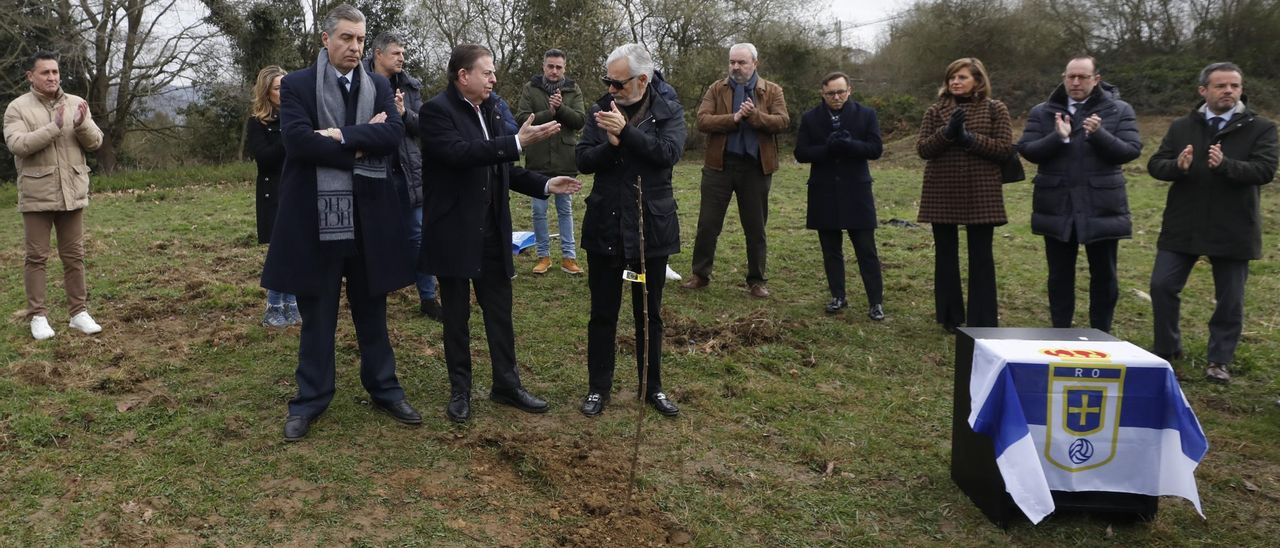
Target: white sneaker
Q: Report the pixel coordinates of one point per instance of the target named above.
(40, 329)
(85, 323)
(673, 275)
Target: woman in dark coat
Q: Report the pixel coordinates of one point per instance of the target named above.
(263, 135)
(838, 137)
(964, 137)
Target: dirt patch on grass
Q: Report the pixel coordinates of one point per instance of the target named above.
(722, 336)
(586, 477)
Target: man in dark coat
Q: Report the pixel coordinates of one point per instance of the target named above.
(633, 134)
(838, 137)
(466, 238)
(1080, 138)
(387, 59)
(1217, 157)
(340, 129)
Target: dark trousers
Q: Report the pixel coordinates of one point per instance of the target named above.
(947, 296)
(493, 293)
(604, 278)
(1104, 289)
(1169, 276)
(744, 177)
(316, 368)
(864, 247)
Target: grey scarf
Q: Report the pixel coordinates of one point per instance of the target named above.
(743, 142)
(334, 197)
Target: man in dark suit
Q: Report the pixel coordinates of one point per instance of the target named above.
(1081, 137)
(339, 218)
(466, 236)
(838, 137)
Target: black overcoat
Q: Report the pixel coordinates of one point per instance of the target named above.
(297, 262)
(1214, 212)
(458, 164)
(267, 148)
(1079, 188)
(840, 196)
(646, 150)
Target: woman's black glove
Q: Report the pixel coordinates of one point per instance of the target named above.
(955, 127)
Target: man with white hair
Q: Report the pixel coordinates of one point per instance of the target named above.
(633, 138)
(741, 116)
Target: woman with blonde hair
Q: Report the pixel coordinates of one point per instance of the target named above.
(964, 138)
(263, 133)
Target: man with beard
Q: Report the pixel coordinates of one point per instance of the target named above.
(634, 137)
(1217, 157)
(553, 96)
(741, 116)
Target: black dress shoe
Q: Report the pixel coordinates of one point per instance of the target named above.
(876, 313)
(459, 408)
(520, 399)
(401, 411)
(836, 304)
(431, 309)
(296, 427)
(663, 405)
(594, 404)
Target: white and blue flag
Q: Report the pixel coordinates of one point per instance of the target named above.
(1083, 416)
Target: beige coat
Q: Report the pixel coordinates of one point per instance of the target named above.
(52, 173)
(715, 118)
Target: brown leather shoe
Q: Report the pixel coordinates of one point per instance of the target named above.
(570, 266)
(759, 291)
(696, 282)
(1217, 372)
(544, 263)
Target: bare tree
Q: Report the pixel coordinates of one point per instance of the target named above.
(133, 49)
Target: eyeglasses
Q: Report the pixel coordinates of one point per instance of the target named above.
(835, 93)
(611, 83)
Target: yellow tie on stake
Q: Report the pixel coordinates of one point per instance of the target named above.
(632, 276)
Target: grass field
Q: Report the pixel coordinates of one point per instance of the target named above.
(796, 429)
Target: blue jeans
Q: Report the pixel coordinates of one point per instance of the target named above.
(276, 298)
(564, 215)
(426, 282)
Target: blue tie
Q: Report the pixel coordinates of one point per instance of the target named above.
(1217, 122)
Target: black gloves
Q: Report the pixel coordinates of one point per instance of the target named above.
(955, 127)
(840, 142)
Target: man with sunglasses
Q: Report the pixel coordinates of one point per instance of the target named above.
(742, 116)
(634, 136)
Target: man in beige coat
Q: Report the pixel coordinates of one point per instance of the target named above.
(742, 116)
(48, 131)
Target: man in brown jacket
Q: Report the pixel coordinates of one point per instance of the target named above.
(48, 131)
(741, 116)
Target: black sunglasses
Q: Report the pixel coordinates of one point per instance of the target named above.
(611, 83)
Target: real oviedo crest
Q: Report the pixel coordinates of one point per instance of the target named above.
(1083, 418)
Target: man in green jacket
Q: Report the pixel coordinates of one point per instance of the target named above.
(553, 96)
(1217, 157)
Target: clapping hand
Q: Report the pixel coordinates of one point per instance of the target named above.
(554, 101)
(563, 185)
(1185, 157)
(840, 141)
(1062, 125)
(530, 134)
(57, 116)
(400, 102)
(82, 112)
(1091, 124)
(612, 122)
(746, 109)
(1215, 155)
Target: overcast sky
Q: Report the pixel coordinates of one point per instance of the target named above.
(863, 14)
